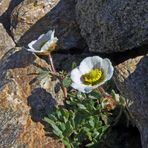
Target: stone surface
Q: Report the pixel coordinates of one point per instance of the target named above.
(32, 18)
(4, 4)
(131, 78)
(113, 26)
(6, 7)
(6, 41)
(25, 100)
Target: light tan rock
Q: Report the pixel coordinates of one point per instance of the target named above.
(4, 4)
(6, 7)
(25, 100)
(6, 41)
(131, 78)
(31, 18)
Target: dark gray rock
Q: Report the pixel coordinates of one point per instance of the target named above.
(112, 26)
(131, 78)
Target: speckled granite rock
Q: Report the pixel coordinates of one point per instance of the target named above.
(113, 26)
(35, 17)
(131, 78)
(6, 41)
(4, 4)
(25, 101)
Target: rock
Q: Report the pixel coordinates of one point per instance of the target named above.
(113, 26)
(6, 7)
(131, 78)
(6, 41)
(33, 18)
(25, 100)
(4, 4)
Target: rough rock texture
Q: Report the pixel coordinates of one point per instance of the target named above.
(35, 17)
(24, 101)
(6, 41)
(131, 77)
(4, 4)
(6, 7)
(112, 26)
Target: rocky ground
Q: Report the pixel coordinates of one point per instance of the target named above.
(117, 30)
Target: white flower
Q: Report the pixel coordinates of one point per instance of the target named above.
(91, 73)
(45, 44)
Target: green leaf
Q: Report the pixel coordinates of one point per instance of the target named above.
(66, 82)
(49, 121)
(122, 101)
(66, 142)
(81, 106)
(65, 115)
(91, 121)
(56, 129)
(90, 144)
(74, 65)
(52, 117)
(61, 125)
(95, 94)
(104, 118)
(69, 129)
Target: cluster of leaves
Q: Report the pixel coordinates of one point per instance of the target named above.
(83, 120)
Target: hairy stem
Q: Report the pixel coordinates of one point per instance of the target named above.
(103, 92)
(51, 63)
(54, 73)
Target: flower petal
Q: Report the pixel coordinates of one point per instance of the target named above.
(82, 88)
(76, 76)
(31, 50)
(89, 63)
(97, 61)
(42, 40)
(107, 68)
(31, 44)
(52, 34)
(86, 65)
(48, 44)
(41, 36)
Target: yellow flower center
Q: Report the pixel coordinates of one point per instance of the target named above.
(93, 77)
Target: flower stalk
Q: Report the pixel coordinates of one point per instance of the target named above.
(55, 74)
(51, 63)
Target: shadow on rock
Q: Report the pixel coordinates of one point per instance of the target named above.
(19, 59)
(137, 84)
(64, 23)
(41, 102)
(132, 81)
(5, 17)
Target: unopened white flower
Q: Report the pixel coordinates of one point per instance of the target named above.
(45, 44)
(91, 73)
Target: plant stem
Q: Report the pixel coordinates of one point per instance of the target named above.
(104, 93)
(51, 63)
(54, 73)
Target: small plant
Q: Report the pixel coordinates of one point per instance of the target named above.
(88, 111)
(84, 119)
